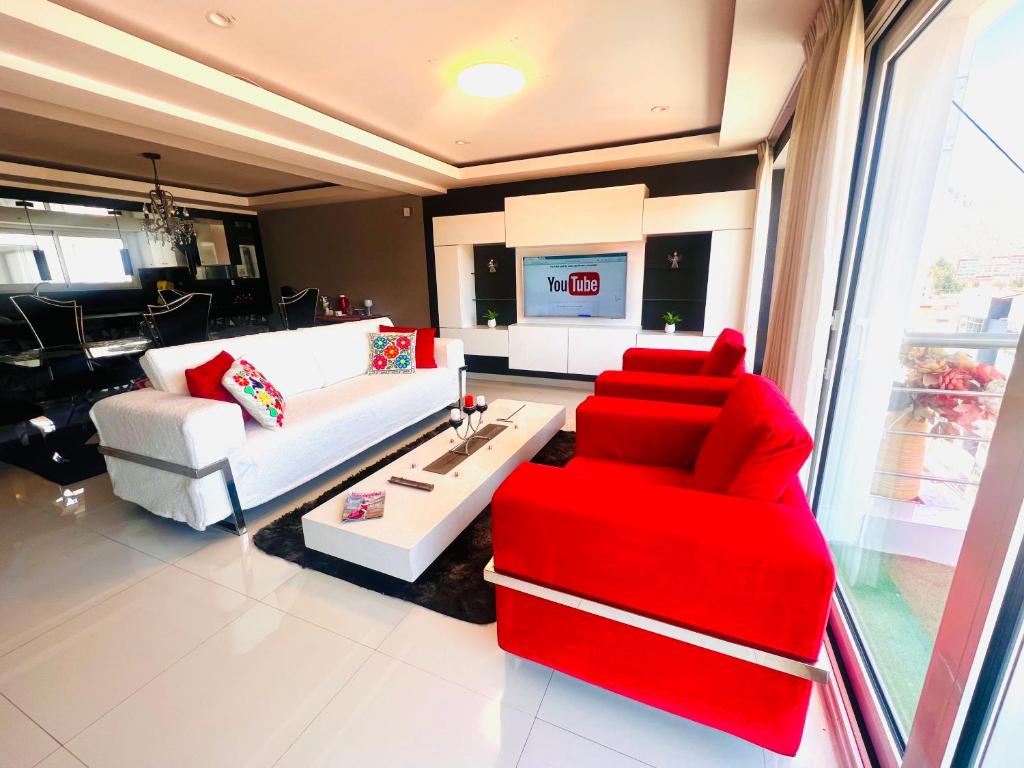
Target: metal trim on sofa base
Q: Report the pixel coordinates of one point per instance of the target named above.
(237, 519)
(817, 672)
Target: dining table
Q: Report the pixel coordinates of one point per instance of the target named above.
(97, 350)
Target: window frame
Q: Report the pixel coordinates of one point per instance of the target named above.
(939, 723)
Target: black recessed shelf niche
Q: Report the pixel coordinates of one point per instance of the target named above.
(495, 290)
(683, 291)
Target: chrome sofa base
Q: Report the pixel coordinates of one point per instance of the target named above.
(818, 672)
(235, 524)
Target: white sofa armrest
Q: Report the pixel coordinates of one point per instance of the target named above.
(184, 430)
(449, 353)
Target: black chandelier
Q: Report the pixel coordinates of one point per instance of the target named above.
(162, 219)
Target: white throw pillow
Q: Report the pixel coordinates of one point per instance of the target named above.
(255, 394)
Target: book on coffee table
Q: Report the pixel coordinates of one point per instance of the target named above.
(363, 505)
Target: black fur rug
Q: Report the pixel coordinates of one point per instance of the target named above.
(453, 584)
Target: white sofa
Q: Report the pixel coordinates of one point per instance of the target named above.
(159, 442)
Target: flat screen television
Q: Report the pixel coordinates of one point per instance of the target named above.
(575, 286)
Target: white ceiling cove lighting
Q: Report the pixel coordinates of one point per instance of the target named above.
(491, 80)
(219, 19)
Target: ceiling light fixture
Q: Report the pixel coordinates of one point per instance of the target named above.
(659, 108)
(219, 19)
(461, 142)
(491, 80)
(161, 218)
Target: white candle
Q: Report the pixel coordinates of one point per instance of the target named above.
(481, 400)
(456, 414)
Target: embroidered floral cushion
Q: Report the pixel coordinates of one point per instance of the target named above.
(424, 343)
(392, 353)
(255, 394)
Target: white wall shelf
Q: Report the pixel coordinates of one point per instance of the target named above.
(481, 340)
(677, 340)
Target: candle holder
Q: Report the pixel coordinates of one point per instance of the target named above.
(464, 428)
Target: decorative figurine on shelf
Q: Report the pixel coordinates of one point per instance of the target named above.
(470, 405)
(673, 260)
(325, 305)
(670, 319)
(491, 316)
(492, 266)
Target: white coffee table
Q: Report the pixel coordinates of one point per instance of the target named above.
(418, 525)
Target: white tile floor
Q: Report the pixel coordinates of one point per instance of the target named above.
(127, 640)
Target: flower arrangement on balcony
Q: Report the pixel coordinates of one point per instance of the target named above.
(947, 412)
(914, 415)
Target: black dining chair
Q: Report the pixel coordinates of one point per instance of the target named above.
(299, 310)
(71, 374)
(168, 296)
(55, 324)
(183, 321)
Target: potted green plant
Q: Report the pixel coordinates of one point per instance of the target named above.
(492, 318)
(670, 319)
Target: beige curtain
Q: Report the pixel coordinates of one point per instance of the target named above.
(759, 245)
(813, 214)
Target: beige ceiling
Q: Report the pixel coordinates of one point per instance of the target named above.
(594, 67)
(26, 138)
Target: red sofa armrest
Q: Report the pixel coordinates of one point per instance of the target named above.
(642, 431)
(668, 387)
(748, 571)
(663, 360)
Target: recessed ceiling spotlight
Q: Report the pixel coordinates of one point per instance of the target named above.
(659, 108)
(491, 80)
(461, 142)
(220, 19)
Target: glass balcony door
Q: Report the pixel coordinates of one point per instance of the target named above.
(932, 324)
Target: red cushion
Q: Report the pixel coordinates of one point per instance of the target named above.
(666, 387)
(424, 343)
(756, 446)
(726, 356)
(204, 380)
(685, 361)
(642, 431)
(631, 473)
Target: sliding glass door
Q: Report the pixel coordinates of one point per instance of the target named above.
(932, 320)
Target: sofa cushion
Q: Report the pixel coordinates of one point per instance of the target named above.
(424, 343)
(665, 387)
(756, 446)
(392, 353)
(255, 393)
(632, 473)
(341, 349)
(726, 355)
(287, 358)
(683, 361)
(327, 426)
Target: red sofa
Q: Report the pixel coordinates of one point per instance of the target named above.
(688, 515)
(679, 376)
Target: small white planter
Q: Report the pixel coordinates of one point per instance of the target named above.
(492, 323)
(670, 328)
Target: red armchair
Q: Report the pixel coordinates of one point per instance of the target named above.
(679, 376)
(674, 560)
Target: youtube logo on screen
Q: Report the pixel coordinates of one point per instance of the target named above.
(584, 284)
